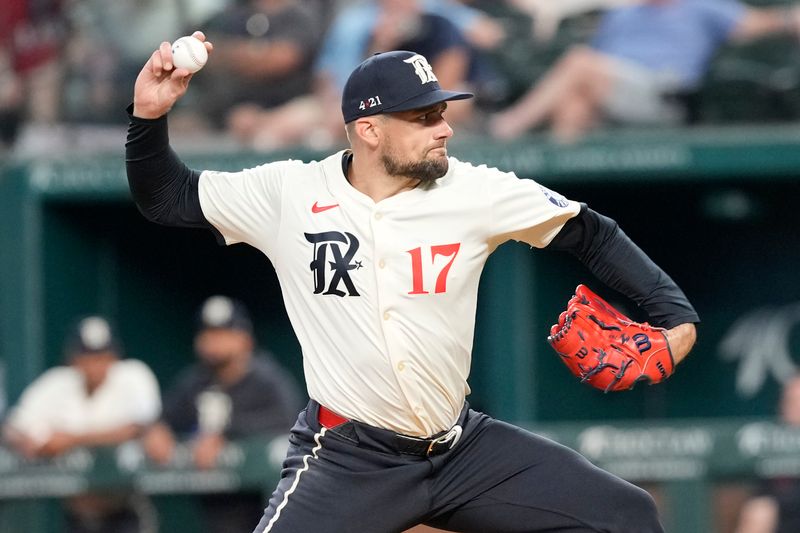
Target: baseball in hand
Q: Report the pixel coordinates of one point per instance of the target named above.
(189, 53)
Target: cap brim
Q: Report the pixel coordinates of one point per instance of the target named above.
(91, 352)
(427, 99)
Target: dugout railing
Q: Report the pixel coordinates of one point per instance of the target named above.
(684, 459)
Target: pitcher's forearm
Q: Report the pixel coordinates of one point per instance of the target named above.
(681, 338)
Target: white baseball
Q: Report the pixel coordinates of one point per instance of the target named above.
(189, 53)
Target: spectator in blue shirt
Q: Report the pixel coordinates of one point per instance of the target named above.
(355, 33)
(639, 55)
(353, 27)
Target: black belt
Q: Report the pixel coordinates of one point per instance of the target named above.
(429, 447)
(404, 444)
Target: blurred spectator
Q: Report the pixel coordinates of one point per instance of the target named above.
(263, 51)
(233, 392)
(62, 64)
(641, 61)
(32, 35)
(361, 29)
(356, 32)
(547, 15)
(776, 509)
(98, 399)
(102, 55)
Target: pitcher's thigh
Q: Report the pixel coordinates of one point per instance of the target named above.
(340, 490)
(532, 484)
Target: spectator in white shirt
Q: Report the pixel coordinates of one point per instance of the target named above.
(96, 399)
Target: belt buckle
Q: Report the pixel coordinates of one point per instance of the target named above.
(452, 436)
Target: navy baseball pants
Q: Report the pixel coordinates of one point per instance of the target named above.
(355, 478)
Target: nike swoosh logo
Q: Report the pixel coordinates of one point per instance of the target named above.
(320, 208)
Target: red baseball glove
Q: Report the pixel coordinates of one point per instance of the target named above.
(605, 348)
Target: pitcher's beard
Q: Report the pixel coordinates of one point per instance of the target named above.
(426, 170)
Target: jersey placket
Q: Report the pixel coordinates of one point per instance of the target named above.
(386, 285)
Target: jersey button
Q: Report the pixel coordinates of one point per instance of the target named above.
(386, 315)
(378, 216)
(401, 366)
(381, 263)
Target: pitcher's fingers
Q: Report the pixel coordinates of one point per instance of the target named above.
(166, 55)
(181, 76)
(161, 59)
(200, 36)
(155, 64)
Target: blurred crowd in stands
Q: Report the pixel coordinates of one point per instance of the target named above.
(67, 67)
(100, 397)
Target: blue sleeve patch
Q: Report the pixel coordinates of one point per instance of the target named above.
(554, 198)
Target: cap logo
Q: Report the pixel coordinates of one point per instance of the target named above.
(217, 311)
(369, 103)
(95, 333)
(422, 68)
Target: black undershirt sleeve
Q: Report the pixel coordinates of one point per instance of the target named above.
(599, 243)
(164, 189)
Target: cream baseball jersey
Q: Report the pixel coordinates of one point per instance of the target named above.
(382, 296)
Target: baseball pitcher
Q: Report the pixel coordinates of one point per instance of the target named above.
(378, 250)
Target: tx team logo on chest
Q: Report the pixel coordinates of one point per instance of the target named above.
(334, 252)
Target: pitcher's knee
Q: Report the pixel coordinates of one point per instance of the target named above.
(637, 512)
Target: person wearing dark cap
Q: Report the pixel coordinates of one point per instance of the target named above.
(96, 399)
(234, 391)
(379, 250)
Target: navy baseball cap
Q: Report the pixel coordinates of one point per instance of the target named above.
(390, 82)
(221, 312)
(91, 335)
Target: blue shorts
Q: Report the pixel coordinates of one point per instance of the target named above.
(491, 477)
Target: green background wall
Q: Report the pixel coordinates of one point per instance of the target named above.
(73, 243)
(715, 208)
